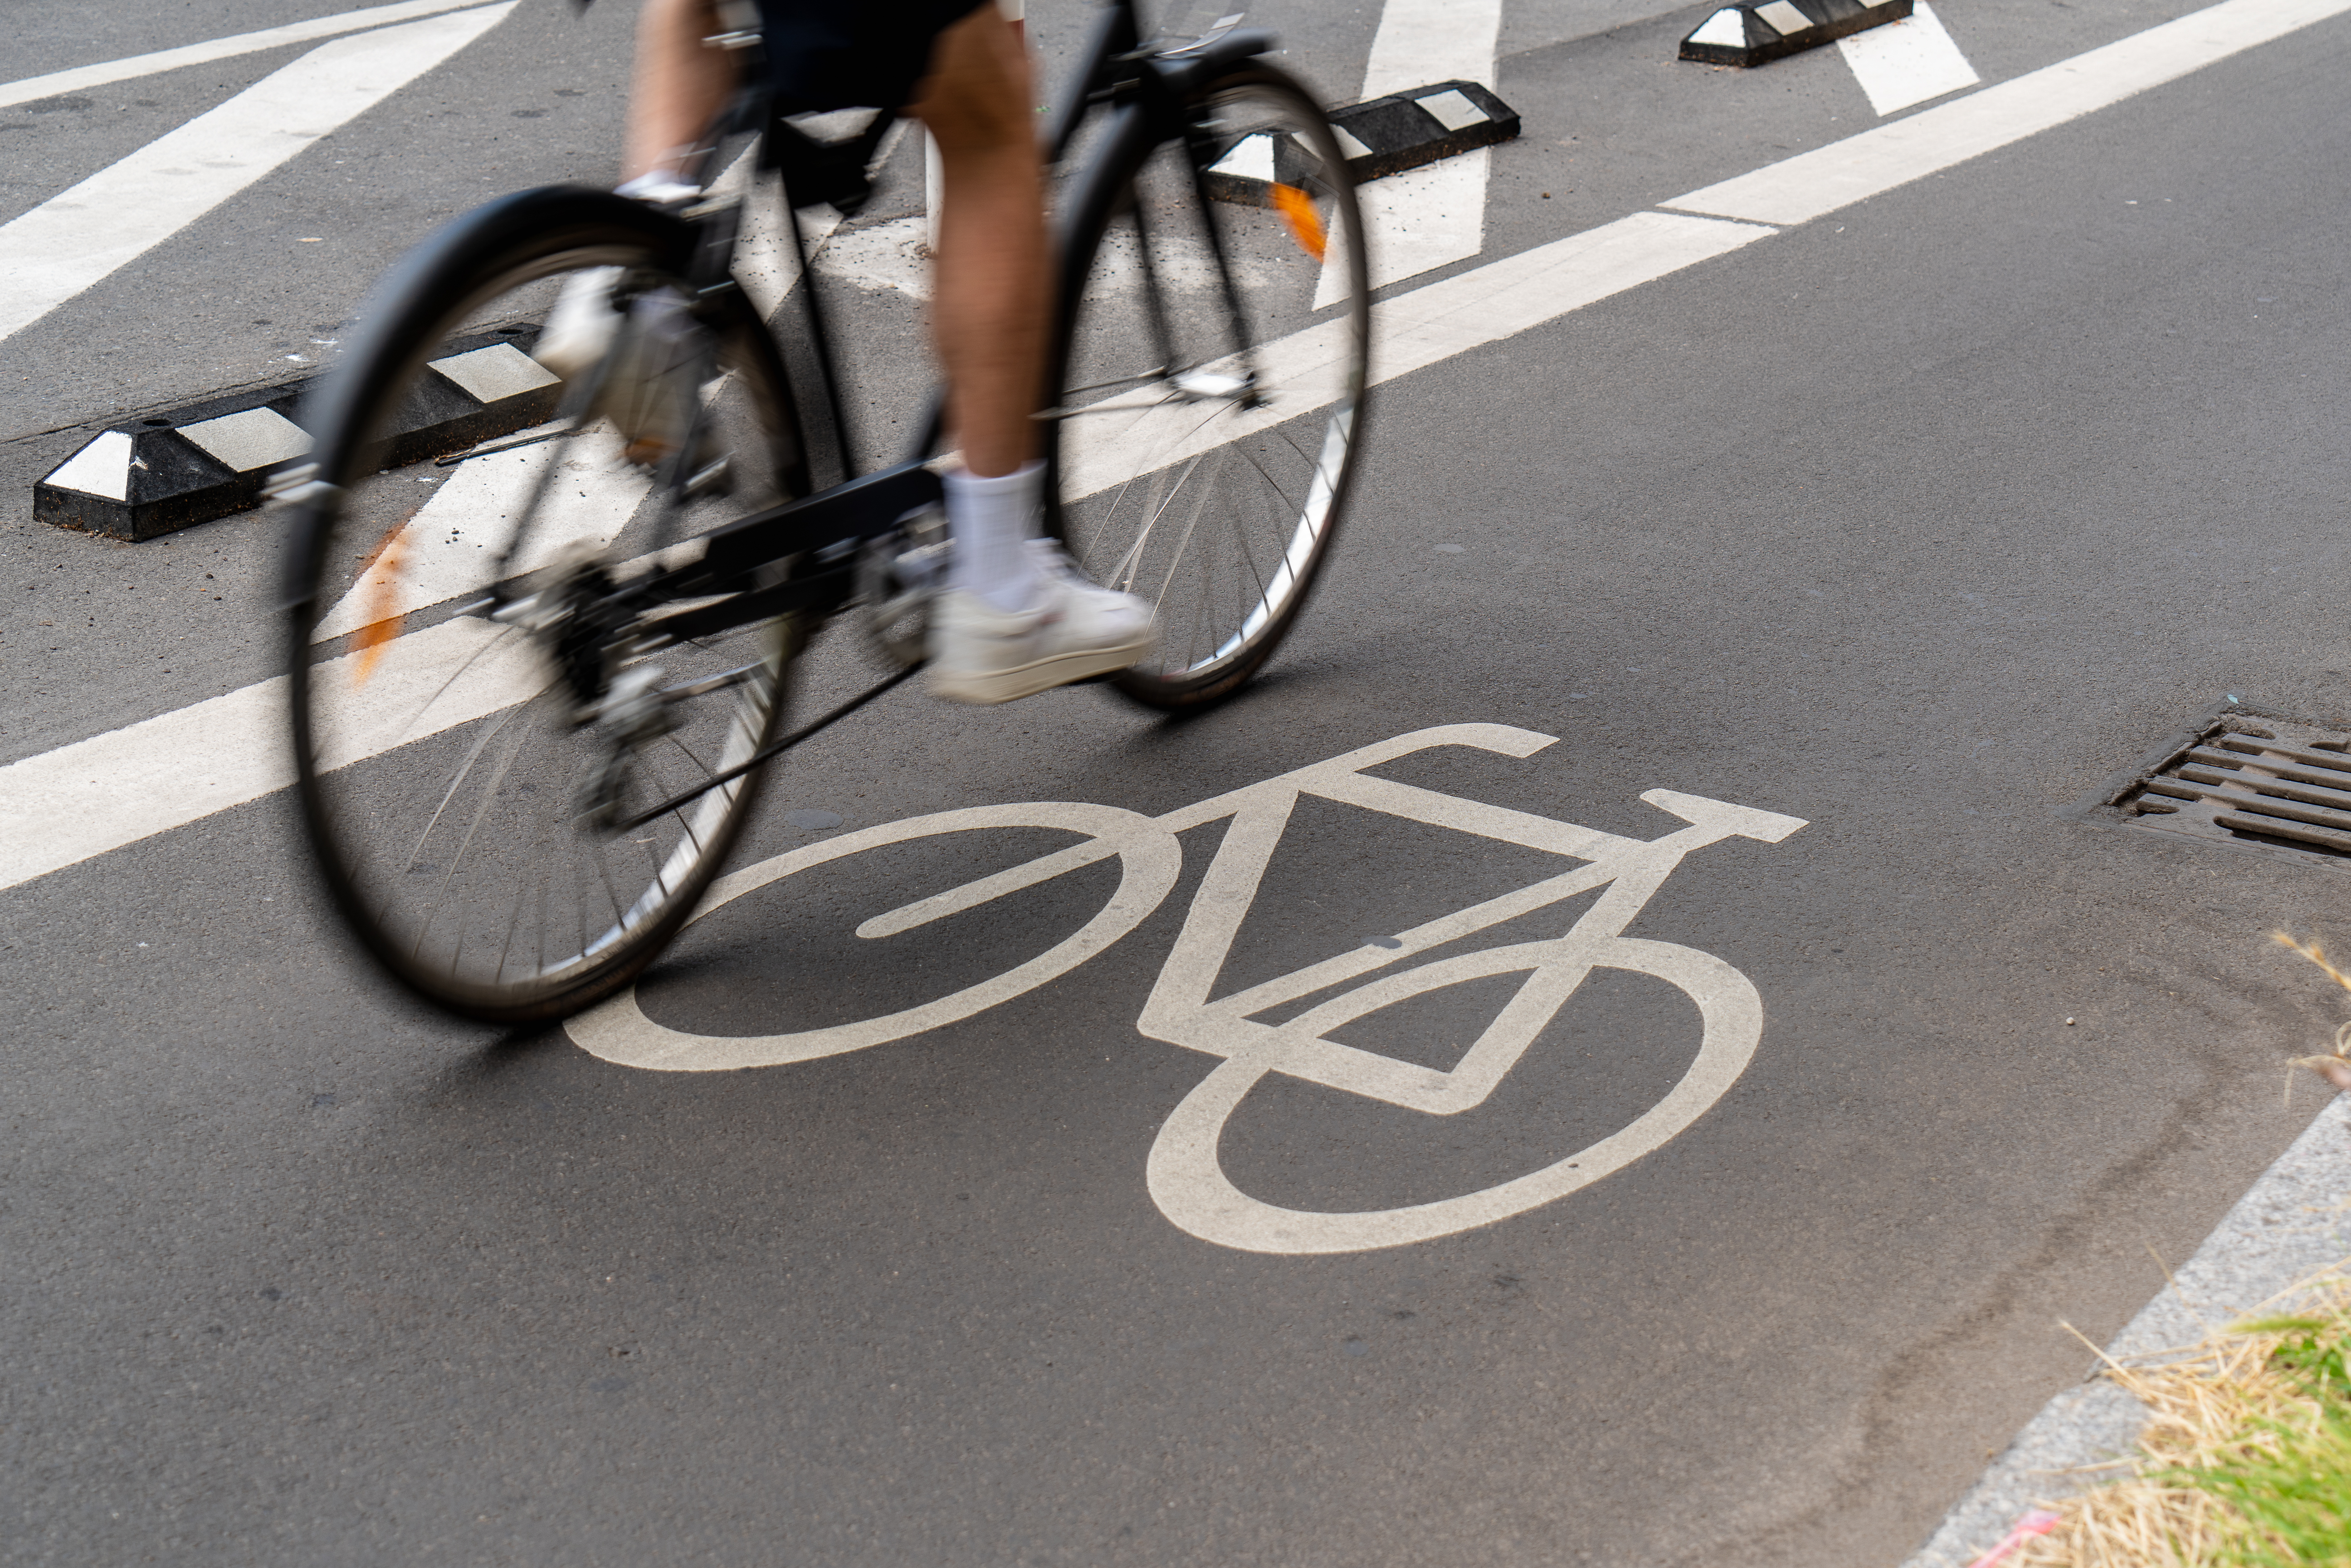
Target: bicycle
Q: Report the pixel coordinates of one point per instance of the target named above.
(1185, 1172)
(533, 699)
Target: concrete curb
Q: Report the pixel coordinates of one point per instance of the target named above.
(1379, 136)
(1748, 34)
(142, 477)
(2294, 1223)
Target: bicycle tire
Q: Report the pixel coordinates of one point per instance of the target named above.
(400, 682)
(1273, 342)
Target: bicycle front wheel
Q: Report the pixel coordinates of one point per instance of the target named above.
(475, 714)
(1211, 360)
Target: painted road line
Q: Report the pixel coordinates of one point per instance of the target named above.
(1427, 217)
(42, 821)
(766, 263)
(443, 551)
(112, 790)
(1799, 189)
(82, 78)
(69, 242)
(1432, 40)
(1412, 330)
(1907, 62)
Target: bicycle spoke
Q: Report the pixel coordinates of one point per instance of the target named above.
(489, 797)
(464, 770)
(1199, 502)
(506, 948)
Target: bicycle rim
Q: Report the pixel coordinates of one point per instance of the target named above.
(462, 753)
(1212, 372)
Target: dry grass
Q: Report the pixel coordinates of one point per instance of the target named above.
(2335, 1067)
(2246, 1458)
(2245, 1461)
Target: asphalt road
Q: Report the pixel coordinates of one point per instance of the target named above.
(1915, 522)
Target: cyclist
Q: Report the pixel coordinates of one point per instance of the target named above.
(1016, 617)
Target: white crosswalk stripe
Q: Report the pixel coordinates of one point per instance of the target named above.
(79, 235)
(1906, 62)
(81, 79)
(1427, 217)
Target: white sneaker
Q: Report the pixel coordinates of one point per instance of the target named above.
(1072, 629)
(581, 328)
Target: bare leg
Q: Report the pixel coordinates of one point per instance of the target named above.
(679, 83)
(992, 289)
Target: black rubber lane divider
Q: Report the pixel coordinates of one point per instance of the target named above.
(1748, 34)
(152, 476)
(1381, 136)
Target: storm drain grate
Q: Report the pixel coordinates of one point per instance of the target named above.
(2254, 780)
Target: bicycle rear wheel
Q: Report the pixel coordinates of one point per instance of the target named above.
(1211, 360)
(473, 711)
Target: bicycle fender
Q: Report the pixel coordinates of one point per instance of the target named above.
(1185, 71)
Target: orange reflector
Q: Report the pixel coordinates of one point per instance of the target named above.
(383, 611)
(1305, 223)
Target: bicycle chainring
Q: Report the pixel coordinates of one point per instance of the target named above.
(898, 573)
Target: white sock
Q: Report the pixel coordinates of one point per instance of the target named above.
(992, 521)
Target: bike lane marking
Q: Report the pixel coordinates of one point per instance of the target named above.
(1410, 331)
(78, 79)
(1813, 184)
(1183, 1173)
(1186, 1179)
(1150, 860)
(81, 236)
(619, 1031)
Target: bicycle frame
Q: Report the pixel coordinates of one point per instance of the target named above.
(816, 541)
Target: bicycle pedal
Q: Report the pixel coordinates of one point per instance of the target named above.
(898, 574)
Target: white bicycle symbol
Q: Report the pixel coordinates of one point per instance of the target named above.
(1185, 1176)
